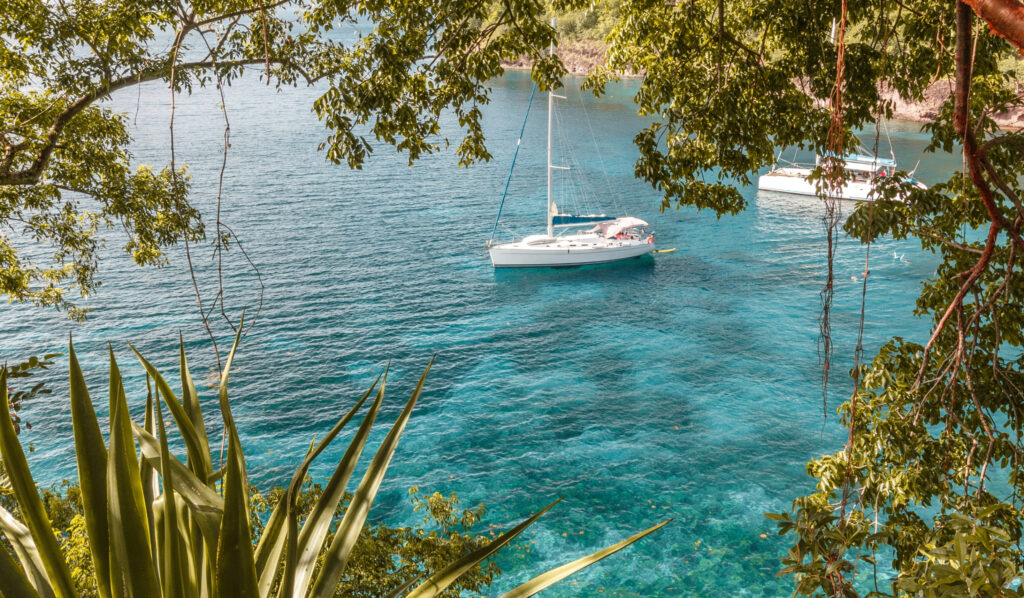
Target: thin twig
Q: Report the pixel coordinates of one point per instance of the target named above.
(188, 250)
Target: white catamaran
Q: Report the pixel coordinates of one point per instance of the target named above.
(609, 240)
(863, 172)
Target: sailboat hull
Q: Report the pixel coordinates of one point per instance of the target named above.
(565, 253)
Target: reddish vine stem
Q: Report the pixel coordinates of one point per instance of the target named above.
(832, 188)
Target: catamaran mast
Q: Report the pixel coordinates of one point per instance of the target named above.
(551, 106)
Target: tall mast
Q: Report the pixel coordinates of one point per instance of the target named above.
(551, 106)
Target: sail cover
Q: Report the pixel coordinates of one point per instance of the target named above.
(578, 219)
(610, 228)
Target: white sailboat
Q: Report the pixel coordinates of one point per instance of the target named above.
(863, 173)
(609, 240)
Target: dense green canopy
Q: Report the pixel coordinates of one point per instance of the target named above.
(933, 474)
(66, 172)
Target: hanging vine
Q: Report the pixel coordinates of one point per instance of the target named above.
(832, 180)
(223, 233)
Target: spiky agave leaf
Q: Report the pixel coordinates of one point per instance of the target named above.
(15, 584)
(148, 474)
(236, 561)
(172, 576)
(198, 450)
(25, 549)
(440, 581)
(318, 523)
(359, 508)
(277, 532)
(91, 456)
(190, 404)
(29, 502)
(559, 573)
(132, 566)
(198, 554)
(205, 504)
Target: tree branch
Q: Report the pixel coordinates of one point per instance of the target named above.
(973, 158)
(31, 175)
(964, 67)
(1005, 18)
(260, 7)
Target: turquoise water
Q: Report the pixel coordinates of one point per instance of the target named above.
(680, 386)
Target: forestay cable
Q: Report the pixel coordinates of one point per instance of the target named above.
(508, 180)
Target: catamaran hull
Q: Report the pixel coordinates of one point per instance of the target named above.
(794, 181)
(513, 256)
(797, 184)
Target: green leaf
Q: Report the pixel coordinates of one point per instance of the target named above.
(280, 525)
(438, 582)
(222, 392)
(318, 522)
(172, 574)
(91, 455)
(198, 451)
(236, 564)
(269, 549)
(118, 578)
(206, 505)
(25, 549)
(197, 568)
(28, 499)
(355, 516)
(15, 584)
(132, 561)
(147, 474)
(190, 399)
(555, 575)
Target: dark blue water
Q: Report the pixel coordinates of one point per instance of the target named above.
(682, 386)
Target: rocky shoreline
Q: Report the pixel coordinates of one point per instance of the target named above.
(581, 57)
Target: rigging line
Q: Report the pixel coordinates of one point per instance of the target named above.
(583, 195)
(572, 190)
(600, 157)
(519, 143)
(572, 194)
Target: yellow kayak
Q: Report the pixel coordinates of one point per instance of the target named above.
(664, 250)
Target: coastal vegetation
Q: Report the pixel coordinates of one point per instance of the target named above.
(66, 169)
(139, 522)
(383, 559)
(930, 481)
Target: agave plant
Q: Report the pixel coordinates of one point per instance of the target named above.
(160, 527)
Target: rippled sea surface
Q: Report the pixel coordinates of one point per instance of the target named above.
(682, 386)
